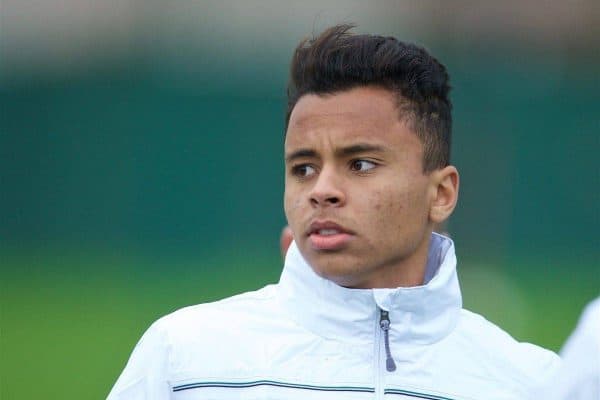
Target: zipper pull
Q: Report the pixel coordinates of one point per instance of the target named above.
(384, 323)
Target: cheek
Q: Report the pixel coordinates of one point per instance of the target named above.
(291, 204)
(395, 212)
(378, 202)
(386, 205)
(390, 201)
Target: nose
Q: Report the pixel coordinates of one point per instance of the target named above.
(328, 190)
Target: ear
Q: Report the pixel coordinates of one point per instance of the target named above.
(285, 240)
(445, 193)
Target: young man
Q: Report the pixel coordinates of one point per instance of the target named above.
(368, 304)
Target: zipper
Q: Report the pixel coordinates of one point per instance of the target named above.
(378, 365)
(390, 366)
(384, 323)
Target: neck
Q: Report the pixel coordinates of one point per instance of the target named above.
(325, 308)
(405, 272)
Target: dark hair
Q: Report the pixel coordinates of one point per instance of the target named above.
(338, 60)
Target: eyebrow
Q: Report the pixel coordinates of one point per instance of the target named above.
(302, 153)
(342, 152)
(359, 148)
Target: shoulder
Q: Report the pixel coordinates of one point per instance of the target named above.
(517, 363)
(234, 304)
(173, 345)
(218, 314)
(483, 358)
(218, 338)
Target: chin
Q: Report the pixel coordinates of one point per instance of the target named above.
(337, 271)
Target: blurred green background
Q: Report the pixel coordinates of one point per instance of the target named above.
(141, 166)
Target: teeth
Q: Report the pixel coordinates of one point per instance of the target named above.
(326, 232)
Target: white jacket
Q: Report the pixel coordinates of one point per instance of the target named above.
(308, 338)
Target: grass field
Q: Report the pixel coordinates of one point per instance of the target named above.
(69, 322)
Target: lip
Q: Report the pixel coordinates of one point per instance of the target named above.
(318, 225)
(328, 241)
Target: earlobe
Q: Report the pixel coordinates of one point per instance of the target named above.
(446, 181)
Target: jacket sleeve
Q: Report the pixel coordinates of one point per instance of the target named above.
(145, 376)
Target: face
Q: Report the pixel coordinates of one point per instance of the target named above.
(356, 197)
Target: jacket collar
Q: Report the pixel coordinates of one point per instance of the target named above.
(419, 315)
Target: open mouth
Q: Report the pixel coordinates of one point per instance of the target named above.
(328, 236)
(327, 232)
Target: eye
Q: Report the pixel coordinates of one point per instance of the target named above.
(362, 165)
(303, 170)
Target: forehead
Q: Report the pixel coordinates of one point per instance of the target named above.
(366, 114)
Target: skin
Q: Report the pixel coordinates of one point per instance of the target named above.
(285, 240)
(351, 160)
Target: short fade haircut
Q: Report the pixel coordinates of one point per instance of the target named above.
(337, 61)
